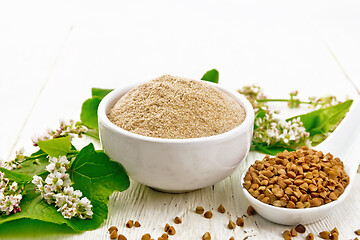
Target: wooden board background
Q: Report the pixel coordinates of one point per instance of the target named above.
(53, 52)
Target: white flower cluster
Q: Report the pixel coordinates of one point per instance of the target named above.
(66, 129)
(253, 93)
(15, 163)
(56, 189)
(273, 131)
(10, 195)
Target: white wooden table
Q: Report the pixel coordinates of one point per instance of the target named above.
(53, 52)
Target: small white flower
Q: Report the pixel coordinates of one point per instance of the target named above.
(60, 199)
(63, 160)
(50, 167)
(78, 194)
(13, 187)
(68, 190)
(47, 188)
(37, 180)
(54, 179)
(17, 197)
(49, 197)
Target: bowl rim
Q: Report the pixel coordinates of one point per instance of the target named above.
(117, 93)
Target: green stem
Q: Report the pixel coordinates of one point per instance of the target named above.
(279, 100)
(35, 157)
(71, 152)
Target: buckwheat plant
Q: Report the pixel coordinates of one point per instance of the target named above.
(70, 128)
(10, 195)
(269, 129)
(56, 189)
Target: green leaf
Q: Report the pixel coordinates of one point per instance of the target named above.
(56, 147)
(100, 92)
(88, 114)
(271, 150)
(24, 229)
(323, 120)
(211, 76)
(17, 177)
(95, 175)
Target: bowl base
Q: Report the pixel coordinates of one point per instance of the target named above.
(171, 191)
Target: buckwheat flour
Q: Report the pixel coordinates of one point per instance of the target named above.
(177, 108)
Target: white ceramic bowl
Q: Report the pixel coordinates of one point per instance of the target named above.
(176, 165)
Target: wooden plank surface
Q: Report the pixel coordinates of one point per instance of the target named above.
(51, 54)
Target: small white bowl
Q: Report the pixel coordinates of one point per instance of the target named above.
(176, 165)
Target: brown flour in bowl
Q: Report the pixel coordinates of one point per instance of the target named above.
(177, 108)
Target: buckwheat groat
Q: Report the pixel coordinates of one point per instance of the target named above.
(300, 179)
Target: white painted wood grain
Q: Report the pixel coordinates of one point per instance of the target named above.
(275, 44)
(30, 40)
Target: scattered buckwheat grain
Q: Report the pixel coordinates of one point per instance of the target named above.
(221, 209)
(171, 230)
(122, 237)
(286, 235)
(146, 237)
(166, 228)
(293, 232)
(240, 221)
(208, 214)
(112, 228)
(324, 235)
(165, 236)
(130, 224)
(300, 228)
(250, 211)
(177, 220)
(114, 235)
(206, 236)
(334, 231)
(199, 210)
(231, 225)
(310, 236)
